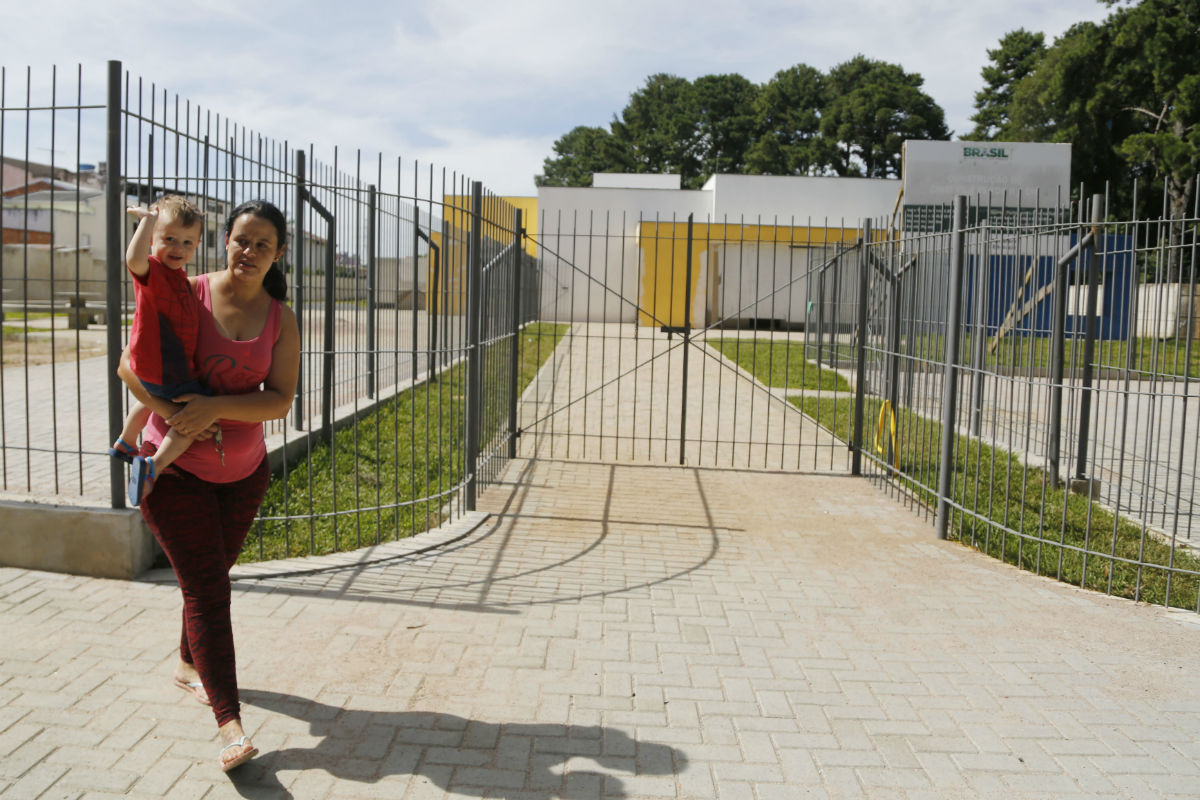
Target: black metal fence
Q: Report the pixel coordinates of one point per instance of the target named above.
(384, 262)
(1034, 389)
(1027, 377)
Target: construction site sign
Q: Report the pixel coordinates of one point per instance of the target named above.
(1008, 183)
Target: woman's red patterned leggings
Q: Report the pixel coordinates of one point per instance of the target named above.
(201, 527)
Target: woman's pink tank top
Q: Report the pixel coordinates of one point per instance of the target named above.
(226, 366)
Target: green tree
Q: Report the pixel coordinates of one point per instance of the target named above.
(1015, 58)
(788, 119)
(1126, 95)
(1062, 101)
(874, 106)
(1152, 76)
(579, 153)
(657, 127)
(725, 125)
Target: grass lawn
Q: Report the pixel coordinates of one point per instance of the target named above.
(1170, 357)
(779, 364)
(390, 475)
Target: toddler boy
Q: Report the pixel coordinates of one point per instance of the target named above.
(162, 343)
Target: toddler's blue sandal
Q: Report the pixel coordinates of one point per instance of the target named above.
(123, 451)
(141, 479)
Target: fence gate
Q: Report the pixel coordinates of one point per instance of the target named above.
(703, 344)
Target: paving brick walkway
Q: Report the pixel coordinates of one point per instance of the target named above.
(619, 631)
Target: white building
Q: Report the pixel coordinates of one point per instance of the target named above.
(617, 251)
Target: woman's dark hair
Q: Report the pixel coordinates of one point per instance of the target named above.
(274, 282)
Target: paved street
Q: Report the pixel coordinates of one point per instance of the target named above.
(619, 631)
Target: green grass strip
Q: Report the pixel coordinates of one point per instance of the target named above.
(1170, 357)
(388, 466)
(779, 363)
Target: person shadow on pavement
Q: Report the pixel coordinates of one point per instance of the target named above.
(531, 760)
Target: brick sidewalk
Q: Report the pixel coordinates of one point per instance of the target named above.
(620, 631)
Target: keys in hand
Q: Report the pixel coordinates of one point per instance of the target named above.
(219, 444)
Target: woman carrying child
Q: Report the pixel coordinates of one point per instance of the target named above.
(202, 506)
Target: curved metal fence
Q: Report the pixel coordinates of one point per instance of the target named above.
(402, 408)
(1026, 377)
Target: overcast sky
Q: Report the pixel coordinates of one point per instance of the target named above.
(485, 88)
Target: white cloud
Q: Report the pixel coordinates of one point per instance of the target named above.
(487, 87)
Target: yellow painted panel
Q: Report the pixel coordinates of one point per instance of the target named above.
(450, 297)
(664, 256)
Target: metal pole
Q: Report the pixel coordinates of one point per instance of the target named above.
(950, 387)
(1089, 342)
(372, 290)
(821, 312)
(115, 274)
(414, 305)
(835, 312)
(433, 297)
(687, 341)
(897, 285)
(444, 283)
(860, 381)
(298, 250)
(474, 356)
(514, 356)
(979, 335)
(327, 355)
(1058, 339)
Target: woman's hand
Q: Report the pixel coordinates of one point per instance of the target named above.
(197, 419)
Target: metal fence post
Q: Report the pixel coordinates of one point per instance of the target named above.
(979, 330)
(950, 387)
(1058, 340)
(821, 310)
(373, 289)
(1089, 342)
(860, 381)
(327, 395)
(115, 274)
(297, 251)
(687, 341)
(474, 356)
(897, 284)
(514, 356)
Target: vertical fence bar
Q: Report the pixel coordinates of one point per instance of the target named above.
(1058, 344)
(298, 250)
(821, 312)
(950, 387)
(1089, 343)
(687, 342)
(860, 372)
(327, 394)
(114, 270)
(373, 289)
(514, 356)
(896, 280)
(474, 356)
(979, 329)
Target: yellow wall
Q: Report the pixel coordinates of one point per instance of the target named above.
(664, 259)
(456, 212)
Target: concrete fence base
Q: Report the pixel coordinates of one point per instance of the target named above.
(98, 542)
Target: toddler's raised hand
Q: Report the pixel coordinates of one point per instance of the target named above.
(142, 213)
